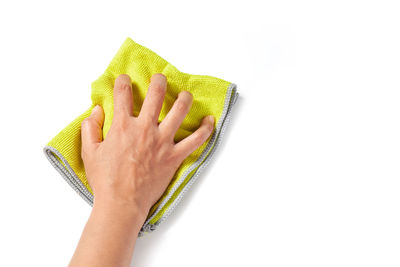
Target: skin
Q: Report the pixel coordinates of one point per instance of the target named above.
(130, 169)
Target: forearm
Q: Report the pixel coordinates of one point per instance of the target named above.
(109, 236)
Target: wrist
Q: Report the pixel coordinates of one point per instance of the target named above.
(121, 211)
(128, 202)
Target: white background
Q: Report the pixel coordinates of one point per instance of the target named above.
(308, 172)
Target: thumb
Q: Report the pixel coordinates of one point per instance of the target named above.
(91, 130)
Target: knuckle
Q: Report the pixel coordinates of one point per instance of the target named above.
(147, 120)
(121, 124)
(84, 153)
(164, 138)
(158, 89)
(199, 138)
(124, 87)
(206, 132)
(181, 106)
(174, 157)
(210, 128)
(86, 122)
(146, 130)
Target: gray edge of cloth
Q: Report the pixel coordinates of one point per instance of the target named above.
(72, 179)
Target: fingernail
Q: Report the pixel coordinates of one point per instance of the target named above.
(211, 119)
(159, 78)
(95, 108)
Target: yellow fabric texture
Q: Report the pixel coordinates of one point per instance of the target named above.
(140, 63)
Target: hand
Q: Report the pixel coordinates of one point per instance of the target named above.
(137, 160)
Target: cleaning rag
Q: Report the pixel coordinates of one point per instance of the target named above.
(211, 96)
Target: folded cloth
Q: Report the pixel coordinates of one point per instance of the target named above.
(211, 96)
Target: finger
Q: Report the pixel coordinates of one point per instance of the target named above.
(177, 114)
(123, 97)
(91, 130)
(186, 146)
(154, 99)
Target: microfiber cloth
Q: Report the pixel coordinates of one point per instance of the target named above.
(211, 96)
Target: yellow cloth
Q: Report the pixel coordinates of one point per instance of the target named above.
(211, 96)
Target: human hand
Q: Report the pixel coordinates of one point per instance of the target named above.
(137, 160)
(129, 170)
